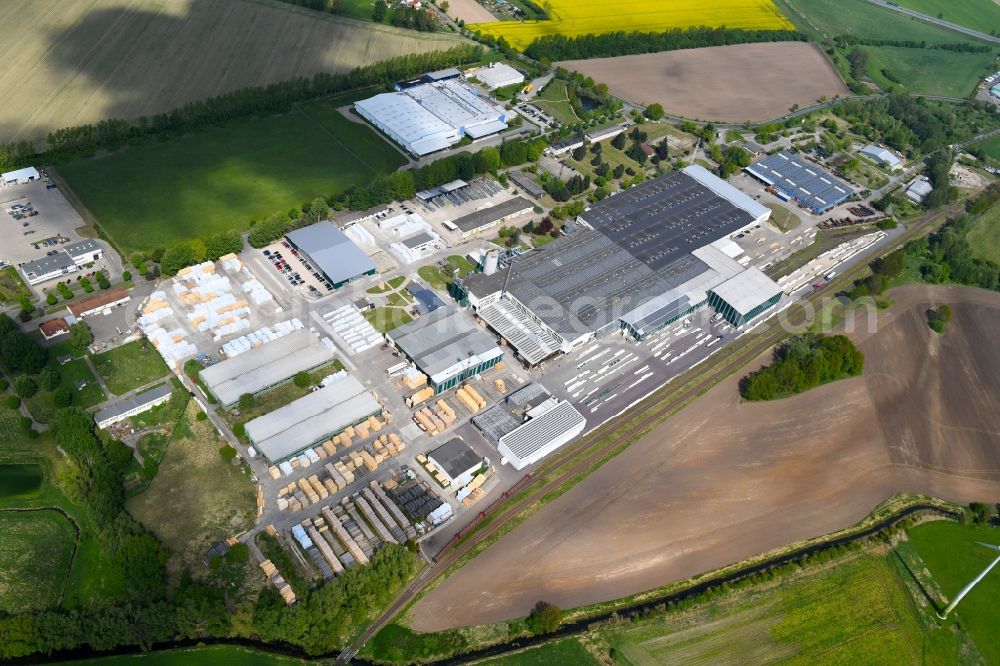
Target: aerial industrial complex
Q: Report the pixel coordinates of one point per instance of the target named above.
(640, 261)
(798, 179)
(430, 116)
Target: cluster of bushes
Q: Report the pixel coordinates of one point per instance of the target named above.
(19, 353)
(802, 363)
(937, 172)
(564, 191)
(189, 253)
(110, 135)
(551, 48)
(938, 318)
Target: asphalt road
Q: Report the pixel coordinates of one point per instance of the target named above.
(936, 21)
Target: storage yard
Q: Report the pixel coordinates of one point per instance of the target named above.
(793, 469)
(740, 83)
(79, 61)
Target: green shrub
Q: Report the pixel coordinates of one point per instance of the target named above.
(246, 401)
(227, 452)
(11, 402)
(939, 318)
(62, 397)
(51, 299)
(25, 386)
(49, 379)
(201, 416)
(302, 379)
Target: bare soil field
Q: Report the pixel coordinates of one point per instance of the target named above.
(725, 480)
(469, 11)
(744, 82)
(71, 62)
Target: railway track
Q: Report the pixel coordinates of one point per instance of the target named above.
(657, 407)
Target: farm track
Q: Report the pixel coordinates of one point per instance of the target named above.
(666, 401)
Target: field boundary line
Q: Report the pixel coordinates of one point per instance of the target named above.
(298, 108)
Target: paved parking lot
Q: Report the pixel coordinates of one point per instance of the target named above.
(23, 240)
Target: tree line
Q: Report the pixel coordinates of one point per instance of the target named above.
(957, 47)
(112, 134)
(551, 48)
(802, 363)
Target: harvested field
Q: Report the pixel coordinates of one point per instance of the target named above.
(725, 480)
(71, 62)
(469, 11)
(744, 82)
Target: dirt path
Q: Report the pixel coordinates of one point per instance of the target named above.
(724, 480)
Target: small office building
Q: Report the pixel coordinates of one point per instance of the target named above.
(137, 404)
(745, 296)
(457, 461)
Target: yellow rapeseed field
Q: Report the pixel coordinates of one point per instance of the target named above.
(580, 17)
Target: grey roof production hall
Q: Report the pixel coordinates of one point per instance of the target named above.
(266, 366)
(641, 260)
(447, 347)
(312, 418)
(333, 253)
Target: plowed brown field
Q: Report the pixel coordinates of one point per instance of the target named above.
(70, 62)
(745, 82)
(724, 480)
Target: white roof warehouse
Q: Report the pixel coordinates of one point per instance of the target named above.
(312, 418)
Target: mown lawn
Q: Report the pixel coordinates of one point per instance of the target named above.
(216, 655)
(92, 576)
(952, 555)
(984, 237)
(554, 100)
(933, 71)
(567, 652)
(35, 552)
(130, 366)
(159, 193)
(42, 405)
(387, 318)
(981, 15)
(992, 147)
(856, 612)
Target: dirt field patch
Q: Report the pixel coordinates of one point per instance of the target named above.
(71, 62)
(745, 82)
(469, 11)
(725, 480)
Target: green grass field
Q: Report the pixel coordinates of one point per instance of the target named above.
(992, 148)
(855, 612)
(953, 557)
(92, 576)
(981, 15)
(783, 218)
(19, 480)
(157, 194)
(216, 655)
(130, 366)
(926, 70)
(567, 652)
(387, 318)
(984, 237)
(919, 70)
(42, 405)
(11, 285)
(554, 100)
(35, 552)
